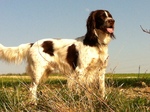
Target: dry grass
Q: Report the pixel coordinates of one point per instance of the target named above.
(55, 97)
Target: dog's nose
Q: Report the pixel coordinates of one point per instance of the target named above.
(111, 21)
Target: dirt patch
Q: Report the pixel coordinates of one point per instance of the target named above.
(136, 92)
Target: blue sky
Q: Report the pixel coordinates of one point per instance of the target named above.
(23, 21)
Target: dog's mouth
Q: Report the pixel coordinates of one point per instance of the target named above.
(107, 29)
(110, 29)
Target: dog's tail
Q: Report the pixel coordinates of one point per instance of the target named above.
(14, 54)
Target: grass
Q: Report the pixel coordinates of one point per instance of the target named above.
(131, 75)
(55, 97)
(128, 80)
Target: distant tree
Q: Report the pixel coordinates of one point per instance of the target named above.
(146, 31)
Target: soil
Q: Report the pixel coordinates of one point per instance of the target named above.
(136, 92)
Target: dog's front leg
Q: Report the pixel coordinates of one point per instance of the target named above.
(102, 85)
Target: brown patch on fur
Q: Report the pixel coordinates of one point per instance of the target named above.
(48, 47)
(72, 56)
(31, 44)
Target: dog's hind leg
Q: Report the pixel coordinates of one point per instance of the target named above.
(36, 73)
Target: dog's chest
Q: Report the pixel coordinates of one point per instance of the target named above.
(88, 56)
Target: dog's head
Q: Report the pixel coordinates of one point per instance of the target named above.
(99, 20)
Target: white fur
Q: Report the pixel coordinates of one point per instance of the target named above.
(91, 62)
(106, 14)
(88, 74)
(14, 54)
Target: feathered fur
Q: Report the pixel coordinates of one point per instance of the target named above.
(14, 54)
(83, 60)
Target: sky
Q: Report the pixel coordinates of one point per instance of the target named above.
(23, 21)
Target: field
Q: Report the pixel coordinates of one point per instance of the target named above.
(124, 93)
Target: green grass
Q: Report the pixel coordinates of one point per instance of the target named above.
(128, 80)
(131, 75)
(55, 97)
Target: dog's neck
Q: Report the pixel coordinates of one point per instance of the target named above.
(103, 41)
(103, 38)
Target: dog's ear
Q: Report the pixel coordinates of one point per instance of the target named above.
(90, 37)
(91, 22)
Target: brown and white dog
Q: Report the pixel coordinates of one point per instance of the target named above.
(83, 60)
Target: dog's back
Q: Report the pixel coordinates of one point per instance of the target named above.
(83, 60)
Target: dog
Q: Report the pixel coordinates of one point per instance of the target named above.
(83, 60)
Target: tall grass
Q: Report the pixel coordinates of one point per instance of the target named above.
(54, 96)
